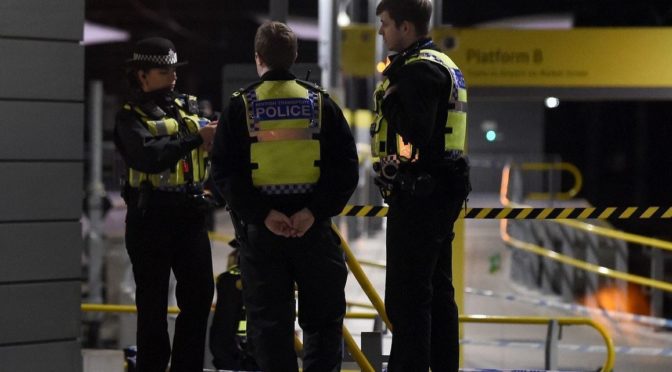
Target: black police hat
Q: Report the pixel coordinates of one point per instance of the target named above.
(154, 52)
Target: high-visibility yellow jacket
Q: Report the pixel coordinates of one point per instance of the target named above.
(284, 121)
(456, 121)
(195, 164)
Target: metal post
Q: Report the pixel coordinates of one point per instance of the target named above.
(551, 351)
(278, 10)
(621, 253)
(437, 13)
(374, 197)
(373, 19)
(372, 347)
(592, 242)
(96, 190)
(657, 273)
(328, 48)
(568, 277)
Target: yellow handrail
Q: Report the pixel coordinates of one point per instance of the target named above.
(220, 237)
(357, 355)
(359, 304)
(363, 280)
(355, 351)
(563, 166)
(606, 232)
(364, 363)
(107, 308)
(616, 234)
(611, 355)
(111, 308)
(376, 264)
(601, 270)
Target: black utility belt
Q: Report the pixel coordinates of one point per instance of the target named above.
(156, 194)
(422, 184)
(403, 171)
(146, 197)
(188, 189)
(417, 179)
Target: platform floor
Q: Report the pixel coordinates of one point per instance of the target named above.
(494, 346)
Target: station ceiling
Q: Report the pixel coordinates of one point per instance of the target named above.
(211, 33)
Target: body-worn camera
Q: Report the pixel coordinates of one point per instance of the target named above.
(388, 170)
(392, 179)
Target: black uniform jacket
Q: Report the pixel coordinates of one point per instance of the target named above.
(417, 104)
(140, 149)
(231, 169)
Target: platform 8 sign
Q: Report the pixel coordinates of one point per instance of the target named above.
(582, 57)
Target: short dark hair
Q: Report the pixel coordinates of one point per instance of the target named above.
(417, 12)
(276, 44)
(131, 73)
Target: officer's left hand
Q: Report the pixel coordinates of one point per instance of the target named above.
(301, 222)
(279, 224)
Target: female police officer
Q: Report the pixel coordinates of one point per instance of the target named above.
(164, 144)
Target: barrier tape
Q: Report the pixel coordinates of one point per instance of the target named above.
(583, 310)
(603, 213)
(461, 370)
(541, 345)
(513, 370)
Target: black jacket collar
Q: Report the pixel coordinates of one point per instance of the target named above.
(398, 60)
(277, 75)
(156, 103)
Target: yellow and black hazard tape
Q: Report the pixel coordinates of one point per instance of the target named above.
(602, 213)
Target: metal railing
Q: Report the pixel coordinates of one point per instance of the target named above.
(350, 342)
(600, 270)
(576, 238)
(561, 166)
(550, 341)
(378, 304)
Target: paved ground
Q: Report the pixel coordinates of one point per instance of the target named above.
(486, 345)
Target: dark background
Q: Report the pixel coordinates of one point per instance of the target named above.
(211, 33)
(621, 147)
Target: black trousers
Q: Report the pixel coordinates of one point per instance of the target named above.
(270, 266)
(157, 241)
(419, 293)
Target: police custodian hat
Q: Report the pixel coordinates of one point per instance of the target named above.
(154, 52)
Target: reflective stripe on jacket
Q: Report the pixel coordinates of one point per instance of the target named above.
(284, 120)
(456, 122)
(168, 126)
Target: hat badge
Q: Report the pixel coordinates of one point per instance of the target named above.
(172, 56)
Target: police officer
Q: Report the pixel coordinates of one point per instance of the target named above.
(164, 143)
(418, 136)
(286, 162)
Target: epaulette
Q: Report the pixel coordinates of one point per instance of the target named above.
(238, 93)
(243, 90)
(152, 110)
(313, 86)
(133, 109)
(188, 103)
